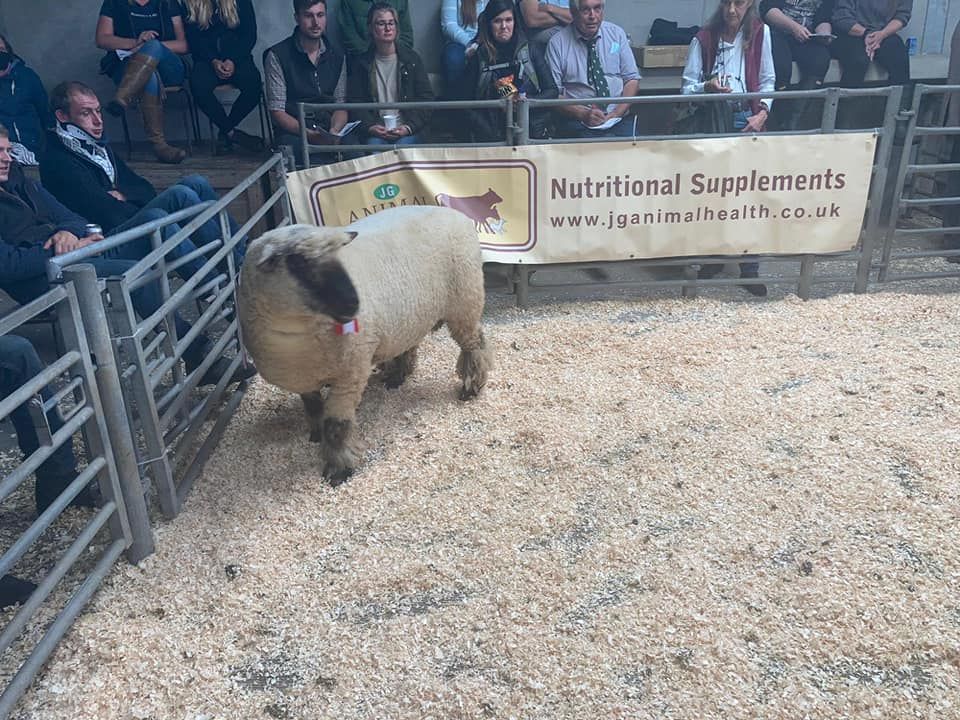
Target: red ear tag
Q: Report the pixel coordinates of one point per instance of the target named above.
(350, 328)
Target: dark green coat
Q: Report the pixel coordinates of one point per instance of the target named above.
(411, 76)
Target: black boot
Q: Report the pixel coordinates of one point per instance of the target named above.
(749, 271)
(14, 591)
(48, 488)
(199, 349)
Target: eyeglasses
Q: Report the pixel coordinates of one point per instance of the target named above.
(384, 24)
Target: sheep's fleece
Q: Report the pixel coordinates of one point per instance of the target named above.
(412, 267)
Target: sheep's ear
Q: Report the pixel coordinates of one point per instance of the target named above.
(268, 258)
(351, 236)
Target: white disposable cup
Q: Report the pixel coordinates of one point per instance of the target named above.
(390, 122)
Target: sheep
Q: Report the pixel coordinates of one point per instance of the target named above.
(321, 306)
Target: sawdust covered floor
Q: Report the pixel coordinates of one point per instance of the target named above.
(664, 509)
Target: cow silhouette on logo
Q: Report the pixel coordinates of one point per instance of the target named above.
(479, 208)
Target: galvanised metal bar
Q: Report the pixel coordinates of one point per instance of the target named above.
(64, 620)
(43, 522)
(109, 402)
(884, 152)
(58, 262)
(920, 91)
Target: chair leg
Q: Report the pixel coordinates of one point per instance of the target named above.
(126, 135)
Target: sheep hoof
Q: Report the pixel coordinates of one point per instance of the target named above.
(468, 393)
(316, 436)
(338, 478)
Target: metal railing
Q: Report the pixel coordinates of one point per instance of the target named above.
(850, 269)
(307, 149)
(167, 418)
(62, 400)
(906, 252)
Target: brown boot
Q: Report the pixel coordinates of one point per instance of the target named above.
(152, 109)
(140, 68)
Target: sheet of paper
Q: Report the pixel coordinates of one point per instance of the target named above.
(604, 125)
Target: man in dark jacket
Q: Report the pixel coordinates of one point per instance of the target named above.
(34, 227)
(81, 170)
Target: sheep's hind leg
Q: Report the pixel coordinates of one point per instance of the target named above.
(396, 371)
(341, 448)
(313, 406)
(475, 361)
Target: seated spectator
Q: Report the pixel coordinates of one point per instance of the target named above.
(34, 227)
(143, 40)
(307, 68)
(731, 54)
(389, 73)
(458, 23)
(867, 32)
(354, 30)
(83, 173)
(18, 363)
(542, 19)
(793, 24)
(501, 67)
(23, 105)
(592, 58)
(221, 35)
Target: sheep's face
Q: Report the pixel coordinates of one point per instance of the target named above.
(305, 255)
(326, 287)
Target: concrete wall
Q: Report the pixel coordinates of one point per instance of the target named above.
(56, 37)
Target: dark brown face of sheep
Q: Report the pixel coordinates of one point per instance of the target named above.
(329, 290)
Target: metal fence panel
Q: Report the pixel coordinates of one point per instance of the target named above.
(913, 244)
(76, 404)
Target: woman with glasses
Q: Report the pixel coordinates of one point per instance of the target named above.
(731, 54)
(388, 73)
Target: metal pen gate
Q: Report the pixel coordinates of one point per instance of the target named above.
(906, 253)
(64, 394)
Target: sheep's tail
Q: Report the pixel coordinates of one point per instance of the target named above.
(473, 366)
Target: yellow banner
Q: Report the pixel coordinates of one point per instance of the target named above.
(615, 201)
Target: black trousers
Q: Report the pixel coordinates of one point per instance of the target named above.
(811, 57)
(246, 78)
(852, 53)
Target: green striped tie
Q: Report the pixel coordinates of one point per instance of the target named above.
(595, 76)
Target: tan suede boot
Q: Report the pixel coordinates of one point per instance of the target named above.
(152, 109)
(140, 68)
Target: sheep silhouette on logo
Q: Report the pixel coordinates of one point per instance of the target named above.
(479, 208)
(320, 306)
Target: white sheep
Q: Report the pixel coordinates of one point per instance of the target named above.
(321, 306)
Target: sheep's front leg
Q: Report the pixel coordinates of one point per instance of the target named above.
(313, 407)
(341, 448)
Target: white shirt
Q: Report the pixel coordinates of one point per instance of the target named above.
(730, 62)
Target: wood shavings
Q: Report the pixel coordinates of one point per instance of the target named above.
(680, 509)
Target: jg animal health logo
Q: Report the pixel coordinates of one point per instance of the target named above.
(497, 196)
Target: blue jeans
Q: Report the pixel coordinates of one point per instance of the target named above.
(170, 68)
(454, 66)
(188, 192)
(18, 363)
(406, 140)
